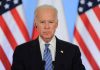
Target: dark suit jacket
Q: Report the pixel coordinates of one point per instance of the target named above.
(28, 57)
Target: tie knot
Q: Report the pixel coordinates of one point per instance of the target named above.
(47, 45)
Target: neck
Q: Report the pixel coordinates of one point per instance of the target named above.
(46, 40)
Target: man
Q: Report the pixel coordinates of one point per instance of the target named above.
(47, 52)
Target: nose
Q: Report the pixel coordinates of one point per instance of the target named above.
(47, 25)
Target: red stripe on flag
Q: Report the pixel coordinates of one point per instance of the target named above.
(85, 50)
(20, 24)
(7, 33)
(4, 59)
(91, 30)
(97, 12)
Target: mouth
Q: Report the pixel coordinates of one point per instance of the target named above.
(45, 33)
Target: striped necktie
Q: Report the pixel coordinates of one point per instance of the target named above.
(47, 58)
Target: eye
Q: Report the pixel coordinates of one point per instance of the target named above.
(51, 22)
(42, 22)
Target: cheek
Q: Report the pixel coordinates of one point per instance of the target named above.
(39, 29)
(53, 30)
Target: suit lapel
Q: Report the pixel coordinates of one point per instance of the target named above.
(37, 50)
(59, 52)
(59, 55)
(36, 58)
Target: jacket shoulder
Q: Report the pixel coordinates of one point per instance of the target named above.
(27, 44)
(69, 47)
(67, 44)
(26, 47)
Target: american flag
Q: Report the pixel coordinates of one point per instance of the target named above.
(87, 33)
(13, 30)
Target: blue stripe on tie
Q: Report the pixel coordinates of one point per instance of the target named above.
(47, 58)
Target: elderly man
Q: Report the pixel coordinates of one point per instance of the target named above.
(47, 52)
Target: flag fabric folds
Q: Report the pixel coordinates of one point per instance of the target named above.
(61, 31)
(87, 33)
(13, 30)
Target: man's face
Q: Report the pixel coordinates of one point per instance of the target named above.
(46, 22)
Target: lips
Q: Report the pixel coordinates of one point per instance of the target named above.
(46, 33)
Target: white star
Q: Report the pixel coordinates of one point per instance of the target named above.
(80, 9)
(0, 3)
(6, 6)
(16, 1)
(89, 4)
(82, 1)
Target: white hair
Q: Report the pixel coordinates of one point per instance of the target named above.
(45, 7)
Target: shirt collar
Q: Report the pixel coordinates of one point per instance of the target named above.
(52, 42)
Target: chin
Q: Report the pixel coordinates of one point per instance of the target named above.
(47, 37)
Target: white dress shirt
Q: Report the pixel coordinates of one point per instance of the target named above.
(52, 47)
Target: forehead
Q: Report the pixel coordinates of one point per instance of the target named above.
(46, 11)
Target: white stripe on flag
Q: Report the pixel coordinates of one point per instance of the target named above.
(6, 46)
(21, 13)
(94, 21)
(84, 59)
(1, 66)
(13, 28)
(99, 5)
(88, 41)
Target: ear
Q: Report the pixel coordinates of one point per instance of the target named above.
(35, 24)
(57, 24)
